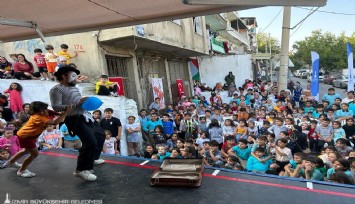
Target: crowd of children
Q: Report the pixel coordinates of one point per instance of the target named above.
(259, 130)
(46, 63)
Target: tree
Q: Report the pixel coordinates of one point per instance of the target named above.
(264, 42)
(331, 49)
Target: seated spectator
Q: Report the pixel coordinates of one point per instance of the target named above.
(292, 165)
(175, 154)
(227, 145)
(163, 153)
(149, 152)
(232, 163)
(4, 156)
(342, 148)
(203, 138)
(213, 157)
(23, 116)
(70, 142)
(51, 138)
(283, 155)
(23, 69)
(308, 170)
(104, 87)
(6, 71)
(255, 164)
(241, 151)
(341, 177)
(172, 142)
(10, 142)
(340, 165)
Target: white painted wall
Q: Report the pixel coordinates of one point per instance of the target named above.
(36, 90)
(214, 69)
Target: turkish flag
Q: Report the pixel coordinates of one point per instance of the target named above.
(119, 80)
(180, 87)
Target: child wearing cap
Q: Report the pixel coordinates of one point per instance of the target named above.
(104, 87)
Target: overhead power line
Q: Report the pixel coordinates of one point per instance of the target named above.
(272, 20)
(330, 12)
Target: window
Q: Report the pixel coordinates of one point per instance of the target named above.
(197, 25)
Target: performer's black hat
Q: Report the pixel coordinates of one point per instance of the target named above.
(65, 69)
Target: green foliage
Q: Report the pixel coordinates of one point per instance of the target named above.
(264, 40)
(331, 49)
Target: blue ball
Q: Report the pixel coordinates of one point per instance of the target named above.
(91, 103)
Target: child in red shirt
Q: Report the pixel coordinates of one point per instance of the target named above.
(312, 136)
(40, 61)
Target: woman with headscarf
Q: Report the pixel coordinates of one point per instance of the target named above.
(5, 68)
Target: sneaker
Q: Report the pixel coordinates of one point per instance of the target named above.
(26, 174)
(91, 171)
(47, 79)
(113, 94)
(99, 161)
(86, 175)
(42, 79)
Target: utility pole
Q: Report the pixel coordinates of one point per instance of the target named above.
(285, 41)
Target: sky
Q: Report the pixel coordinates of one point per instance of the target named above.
(334, 23)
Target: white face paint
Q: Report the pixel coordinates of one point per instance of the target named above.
(72, 77)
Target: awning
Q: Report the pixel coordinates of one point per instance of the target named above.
(57, 17)
(144, 44)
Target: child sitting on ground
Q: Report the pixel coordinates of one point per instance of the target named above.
(5, 156)
(10, 141)
(172, 142)
(51, 138)
(283, 155)
(241, 151)
(255, 164)
(29, 133)
(213, 157)
(162, 153)
(308, 170)
(232, 163)
(289, 168)
(227, 145)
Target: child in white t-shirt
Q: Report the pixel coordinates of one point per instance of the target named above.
(51, 138)
(110, 144)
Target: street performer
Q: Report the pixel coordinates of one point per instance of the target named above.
(79, 121)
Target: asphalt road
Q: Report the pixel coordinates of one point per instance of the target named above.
(323, 88)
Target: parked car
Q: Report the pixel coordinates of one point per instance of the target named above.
(329, 78)
(341, 82)
(299, 72)
(303, 75)
(321, 77)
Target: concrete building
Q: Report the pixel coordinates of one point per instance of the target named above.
(135, 53)
(232, 41)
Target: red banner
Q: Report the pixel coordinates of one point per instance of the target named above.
(180, 87)
(119, 80)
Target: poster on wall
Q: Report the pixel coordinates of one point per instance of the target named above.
(158, 91)
(120, 88)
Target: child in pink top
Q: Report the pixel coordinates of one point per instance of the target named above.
(10, 142)
(14, 92)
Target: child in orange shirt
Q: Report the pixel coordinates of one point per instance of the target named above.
(243, 114)
(29, 133)
(241, 130)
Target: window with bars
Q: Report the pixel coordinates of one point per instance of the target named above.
(117, 67)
